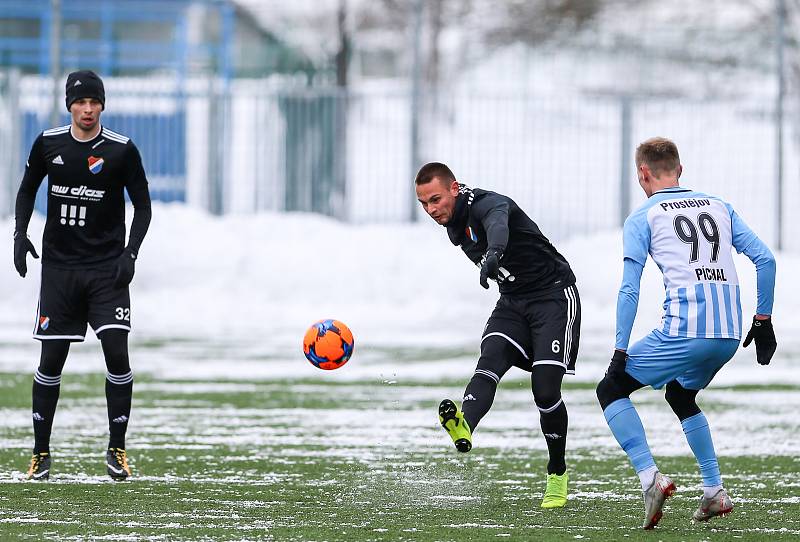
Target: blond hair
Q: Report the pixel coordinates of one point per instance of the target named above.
(659, 154)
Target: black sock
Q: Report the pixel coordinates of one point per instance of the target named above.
(46, 387)
(554, 428)
(478, 399)
(45, 398)
(546, 386)
(119, 390)
(119, 384)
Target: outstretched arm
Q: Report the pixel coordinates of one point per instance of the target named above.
(627, 302)
(747, 242)
(764, 261)
(635, 246)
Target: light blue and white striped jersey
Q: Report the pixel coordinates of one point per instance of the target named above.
(689, 235)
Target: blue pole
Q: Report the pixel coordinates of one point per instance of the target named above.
(55, 59)
(108, 15)
(226, 43)
(46, 17)
(182, 47)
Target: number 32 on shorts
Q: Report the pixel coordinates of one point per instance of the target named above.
(122, 313)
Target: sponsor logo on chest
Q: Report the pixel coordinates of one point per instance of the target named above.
(77, 192)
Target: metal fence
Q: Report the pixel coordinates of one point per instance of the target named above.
(255, 145)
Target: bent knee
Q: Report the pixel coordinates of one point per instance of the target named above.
(682, 401)
(609, 389)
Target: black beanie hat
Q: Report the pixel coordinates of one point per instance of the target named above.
(85, 84)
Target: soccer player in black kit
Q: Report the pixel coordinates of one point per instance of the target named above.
(86, 266)
(534, 326)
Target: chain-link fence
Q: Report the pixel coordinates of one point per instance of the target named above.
(255, 146)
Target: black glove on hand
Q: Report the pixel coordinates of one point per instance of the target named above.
(619, 356)
(618, 361)
(761, 331)
(126, 266)
(22, 245)
(490, 266)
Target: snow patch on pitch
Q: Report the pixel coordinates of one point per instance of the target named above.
(28, 519)
(233, 299)
(88, 479)
(302, 434)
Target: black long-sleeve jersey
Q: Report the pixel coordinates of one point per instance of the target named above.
(530, 264)
(85, 196)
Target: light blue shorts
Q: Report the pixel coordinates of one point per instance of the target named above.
(658, 359)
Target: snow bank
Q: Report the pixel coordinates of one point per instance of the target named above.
(214, 289)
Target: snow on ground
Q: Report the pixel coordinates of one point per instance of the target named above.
(230, 298)
(288, 435)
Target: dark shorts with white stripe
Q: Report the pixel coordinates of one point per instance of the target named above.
(544, 330)
(71, 298)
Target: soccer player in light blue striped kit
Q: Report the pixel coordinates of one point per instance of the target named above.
(689, 235)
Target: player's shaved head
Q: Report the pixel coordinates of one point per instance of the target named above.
(434, 170)
(437, 199)
(659, 154)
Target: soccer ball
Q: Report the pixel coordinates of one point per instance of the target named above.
(328, 344)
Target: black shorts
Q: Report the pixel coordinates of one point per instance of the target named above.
(545, 330)
(69, 298)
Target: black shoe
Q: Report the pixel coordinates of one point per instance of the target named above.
(117, 464)
(40, 466)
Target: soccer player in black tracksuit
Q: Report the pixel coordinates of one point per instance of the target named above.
(86, 267)
(536, 323)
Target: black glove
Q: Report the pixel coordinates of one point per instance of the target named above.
(490, 265)
(126, 266)
(761, 331)
(22, 245)
(619, 356)
(618, 361)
